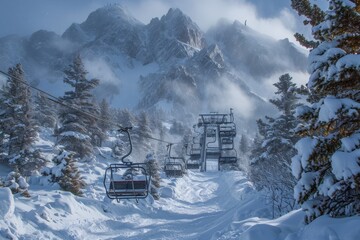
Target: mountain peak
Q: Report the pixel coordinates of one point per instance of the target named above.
(110, 14)
(101, 21)
(174, 13)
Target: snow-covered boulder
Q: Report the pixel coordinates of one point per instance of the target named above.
(7, 203)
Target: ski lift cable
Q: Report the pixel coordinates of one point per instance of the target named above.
(60, 102)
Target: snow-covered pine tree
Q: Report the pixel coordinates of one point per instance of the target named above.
(244, 148)
(97, 134)
(66, 173)
(141, 136)
(124, 117)
(177, 128)
(78, 130)
(104, 114)
(244, 144)
(270, 169)
(18, 126)
(3, 127)
(45, 111)
(153, 169)
(256, 149)
(327, 166)
(17, 183)
(161, 151)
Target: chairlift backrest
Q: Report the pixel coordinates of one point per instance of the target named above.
(126, 182)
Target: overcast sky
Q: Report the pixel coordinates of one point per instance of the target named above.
(272, 17)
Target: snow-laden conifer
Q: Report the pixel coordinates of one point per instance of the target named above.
(16, 183)
(270, 163)
(78, 131)
(104, 125)
(66, 173)
(327, 166)
(18, 128)
(45, 111)
(141, 135)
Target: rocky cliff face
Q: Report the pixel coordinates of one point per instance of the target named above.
(250, 51)
(169, 60)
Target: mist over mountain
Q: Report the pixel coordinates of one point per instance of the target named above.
(168, 63)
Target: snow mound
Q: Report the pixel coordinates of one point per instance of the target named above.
(166, 192)
(7, 204)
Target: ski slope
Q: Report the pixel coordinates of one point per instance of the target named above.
(198, 206)
(201, 205)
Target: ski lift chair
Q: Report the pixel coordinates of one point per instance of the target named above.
(228, 157)
(227, 130)
(192, 164)
(125, 184)
(173, 165)
(173, 169)
(194, 161)
(227, 143)
(126, 180)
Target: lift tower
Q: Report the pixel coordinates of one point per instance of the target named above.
(218, 131)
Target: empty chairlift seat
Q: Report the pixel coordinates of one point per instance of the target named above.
(195, 153)
(228, 157)
(173, 170)
(227, 140)
(192, 164)
(128, 186)
(227, 130)
(124, 181)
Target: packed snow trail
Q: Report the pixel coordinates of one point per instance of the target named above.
(203, 206)
(197, 206)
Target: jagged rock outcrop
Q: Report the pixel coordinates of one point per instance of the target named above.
(175, 35)
(257, 54)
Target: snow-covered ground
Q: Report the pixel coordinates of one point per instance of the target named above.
(210, 205)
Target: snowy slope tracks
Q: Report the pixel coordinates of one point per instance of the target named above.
(198, 206)
(212, 205)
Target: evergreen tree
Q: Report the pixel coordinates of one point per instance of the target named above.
(66, 173)
(104, 114)
(141, 136)
(244, 144)
(18, 129)
(28, 161)
(161, 151)
(256, 145)
(152, 167)
(327, 165)
(125, 118)
(270, 168)
(45, 111)
(78, 130)
(3, 127)
(98, 135)
(244, 148)
(16, 183)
